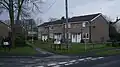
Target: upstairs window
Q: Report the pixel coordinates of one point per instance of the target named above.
(51, 27)
(84, 24)
(69, 25)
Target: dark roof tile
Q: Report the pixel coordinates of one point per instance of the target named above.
(73, 19)
(83, 18)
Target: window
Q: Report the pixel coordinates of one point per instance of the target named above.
(84, 24)
(69, 35)
(46, 27)
(51, 27)
(69, 25)
(74, 35)
(84, 35)
(87, 36)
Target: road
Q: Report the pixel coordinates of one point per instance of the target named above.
(33, 61)
(61, 61)
(111, 61)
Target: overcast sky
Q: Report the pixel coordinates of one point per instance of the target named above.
(76, 8)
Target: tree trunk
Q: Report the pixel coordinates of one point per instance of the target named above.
(20, 3)
(11, 14)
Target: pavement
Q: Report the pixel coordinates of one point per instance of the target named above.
(40, 51)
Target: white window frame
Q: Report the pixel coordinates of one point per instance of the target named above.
(69, 25)
(85, 36)
(51, 27)
(84, 24)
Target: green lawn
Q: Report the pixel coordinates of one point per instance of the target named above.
(76, 48)
(20, 51)
(109, 52)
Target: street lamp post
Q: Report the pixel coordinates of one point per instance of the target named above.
(63, 21)
(66, 8)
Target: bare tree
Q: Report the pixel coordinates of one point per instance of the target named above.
(17, 8)
(52, 19)
(117, 19)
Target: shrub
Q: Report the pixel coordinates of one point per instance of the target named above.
(108, 44)
(20, 41)
(116, 44)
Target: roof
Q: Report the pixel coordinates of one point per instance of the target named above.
(73, 19)
(50, 23)
(83, 18)
(4, 23)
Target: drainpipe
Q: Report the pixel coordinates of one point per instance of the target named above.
(90, 32)
(81, 34)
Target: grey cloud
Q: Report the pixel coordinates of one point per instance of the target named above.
(80, 7)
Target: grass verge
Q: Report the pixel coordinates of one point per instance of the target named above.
(108, 52)
(22, 51)
(76, 48)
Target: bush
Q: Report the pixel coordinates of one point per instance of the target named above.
(108, 44)
(20, 41)
(115, 44)
(30, 37)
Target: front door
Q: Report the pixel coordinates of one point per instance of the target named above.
(74, 38)
(78, 38)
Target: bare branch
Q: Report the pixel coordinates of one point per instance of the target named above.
(25, 14)
(117, 19)
(6, 2)
(37, 7)
(4, 5)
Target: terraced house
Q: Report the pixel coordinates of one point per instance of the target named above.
(93, 27)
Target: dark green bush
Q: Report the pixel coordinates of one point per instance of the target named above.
(108, 44)
(20, 41)
(115, 44)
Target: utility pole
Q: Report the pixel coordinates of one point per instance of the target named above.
(63, 21)
(66, 9)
